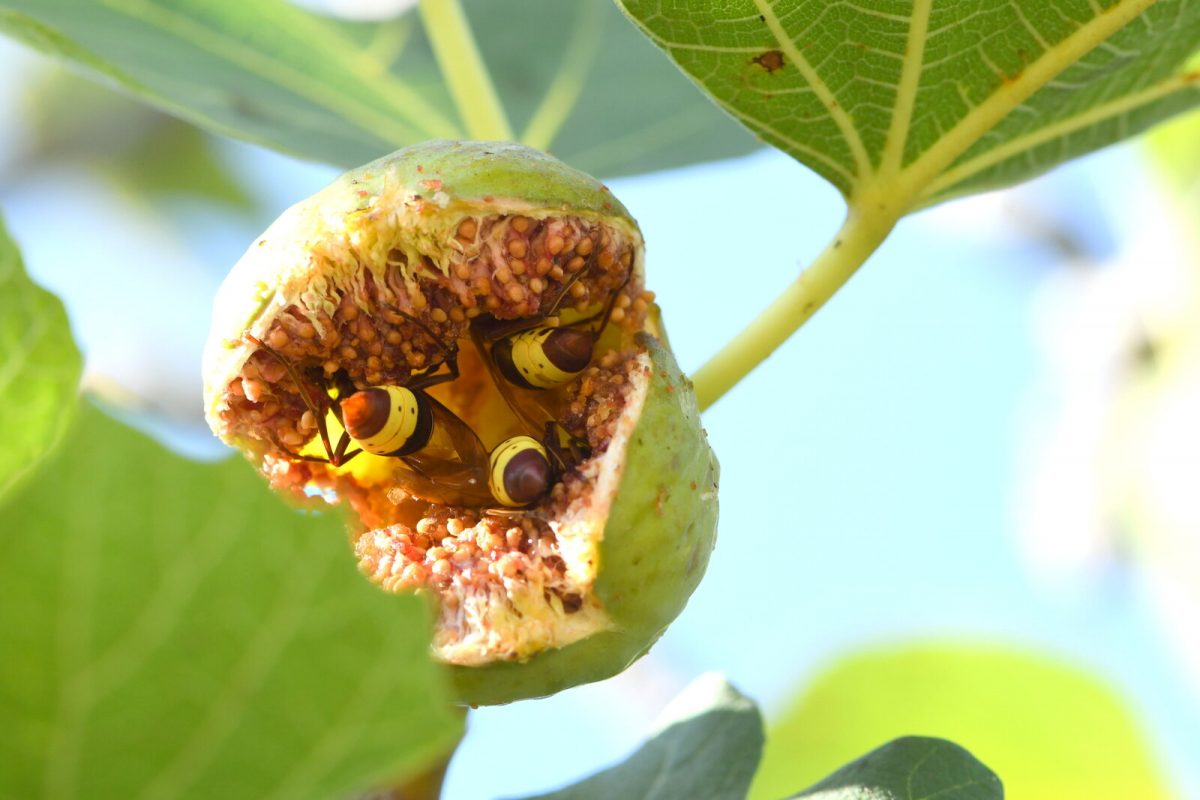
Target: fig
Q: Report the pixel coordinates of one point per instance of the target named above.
(353, 359)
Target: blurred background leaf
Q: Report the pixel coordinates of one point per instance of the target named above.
(264, 70)
(1177, 154)
(708, 743)
(950, 98)
(39, 369)
(1048, 730)
(148, 154)
(171, 629)
(576, 78)
(912, 768)
(624, 109)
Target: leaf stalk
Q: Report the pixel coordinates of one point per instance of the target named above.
(865, 228)
(463, 68)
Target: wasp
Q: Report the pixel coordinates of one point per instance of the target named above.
(447, 461)
(528, 358)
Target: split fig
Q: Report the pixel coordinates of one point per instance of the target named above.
(384, 305)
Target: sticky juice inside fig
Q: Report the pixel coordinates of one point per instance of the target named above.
(508, 583)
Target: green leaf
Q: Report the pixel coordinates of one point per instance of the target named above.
(576, 77)
(39, 369)
(905, 103)
(263, 70)
(150, 153)
(911, 768)
(1175, 153)
(170, 629)
(1051, 731)
(707, 745)
(594, 91)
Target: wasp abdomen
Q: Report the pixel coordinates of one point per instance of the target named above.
(520, 471)
(544, 358)
(388, 420)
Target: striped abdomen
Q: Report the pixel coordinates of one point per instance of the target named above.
(544, 358)
(388, 420)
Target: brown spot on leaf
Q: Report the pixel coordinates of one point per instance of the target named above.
(771, 60)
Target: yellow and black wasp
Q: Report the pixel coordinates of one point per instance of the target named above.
(448, 462)
(528, 359)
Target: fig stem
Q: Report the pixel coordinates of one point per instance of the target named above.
(866, 226)
(462, 66)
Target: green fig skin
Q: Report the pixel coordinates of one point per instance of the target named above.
(658, 513)
(660, 531)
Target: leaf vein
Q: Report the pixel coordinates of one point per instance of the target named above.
(1118, 109)
(906, 89)
(983, 117)
(862, 162)
(262, 652)
(789, 141)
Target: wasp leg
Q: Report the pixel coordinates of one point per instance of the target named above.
(577, 448)
(553, 445)
(340, 456)
(430, 377)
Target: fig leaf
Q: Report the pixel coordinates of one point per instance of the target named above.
(915, 102)
(39, 369)
(708, 744)
(1050, 730)
(266, 71)
(911, 768)
(170, 629)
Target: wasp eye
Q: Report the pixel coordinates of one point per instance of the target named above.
(366, 412)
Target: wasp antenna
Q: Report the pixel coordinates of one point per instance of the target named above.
(566, 287)
(319, 416)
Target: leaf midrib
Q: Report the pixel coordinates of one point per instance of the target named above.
(907, 185)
